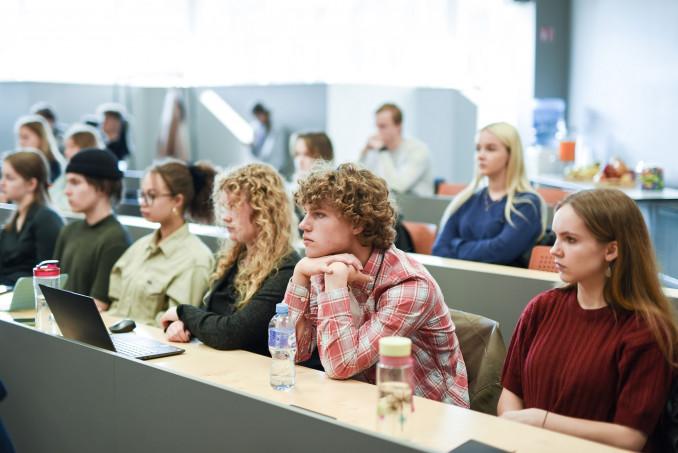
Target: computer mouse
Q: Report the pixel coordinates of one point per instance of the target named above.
(126, 325)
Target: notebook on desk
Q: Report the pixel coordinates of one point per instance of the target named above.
(78, 319)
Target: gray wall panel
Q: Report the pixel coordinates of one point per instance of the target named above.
(68, 397)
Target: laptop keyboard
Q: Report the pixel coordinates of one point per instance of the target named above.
(139, 348)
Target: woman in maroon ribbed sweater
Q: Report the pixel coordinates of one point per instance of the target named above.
(595, 359)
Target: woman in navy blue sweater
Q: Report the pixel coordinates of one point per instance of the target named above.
(499, 221)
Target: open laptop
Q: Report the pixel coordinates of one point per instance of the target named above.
(78, 319)
(21, 296)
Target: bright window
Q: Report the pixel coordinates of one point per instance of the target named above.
(483, 47)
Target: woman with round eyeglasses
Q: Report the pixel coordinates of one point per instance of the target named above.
(170, 266)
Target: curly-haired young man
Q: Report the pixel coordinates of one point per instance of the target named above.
(354, 287)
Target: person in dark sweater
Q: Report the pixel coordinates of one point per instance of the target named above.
(501, 222)
(115, 127)
(30, 235)
(595, 359)
(87, 249)
(252, 270)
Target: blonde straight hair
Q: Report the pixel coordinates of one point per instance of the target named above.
(516, 179)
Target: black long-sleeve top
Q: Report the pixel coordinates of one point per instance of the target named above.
(21, 250)
(221, 326)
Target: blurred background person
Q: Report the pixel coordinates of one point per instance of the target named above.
(404, 163)
(174, 138)
(47, 111)
(308, 149)
(269, 145)
(115, 127)
(34, 132)
(77, 137)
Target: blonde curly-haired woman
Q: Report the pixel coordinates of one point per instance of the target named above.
(252, 271)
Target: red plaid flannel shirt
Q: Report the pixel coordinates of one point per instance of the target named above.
(404, 300)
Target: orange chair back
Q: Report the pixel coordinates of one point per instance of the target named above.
(423, 236)
(448, 188)
(552, 196)
(541, 259)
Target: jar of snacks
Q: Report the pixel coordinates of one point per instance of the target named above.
(651, 178)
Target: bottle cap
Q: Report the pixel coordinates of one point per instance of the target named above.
(49, 268)
(281, 308)
(395, 347)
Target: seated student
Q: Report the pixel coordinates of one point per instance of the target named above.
(48, 112)
(88, 248)
(310, 148)
(251, 272)
(405, 163)
(270, 142)
(502, 221)
(595, 359)
(353, 288)
(314, 147)
(115, 127)
(29, 236)
(80, 136)
(33, 132)
(77, 137)
(171, 266)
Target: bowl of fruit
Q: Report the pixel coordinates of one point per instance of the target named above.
(615, 174)
(583, 173)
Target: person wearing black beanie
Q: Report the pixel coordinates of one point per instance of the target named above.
(87, 249)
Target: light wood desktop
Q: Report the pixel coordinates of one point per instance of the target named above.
(437, 427)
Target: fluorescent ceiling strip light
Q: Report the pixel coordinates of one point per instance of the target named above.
(235, 123)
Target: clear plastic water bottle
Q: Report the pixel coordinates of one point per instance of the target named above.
(282, 343)
(46, 273)
(395, 386)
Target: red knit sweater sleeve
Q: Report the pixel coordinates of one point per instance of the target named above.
(644, 381)
(523, 334)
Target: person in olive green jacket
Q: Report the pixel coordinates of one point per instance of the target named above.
(88, 248)
(170, 266)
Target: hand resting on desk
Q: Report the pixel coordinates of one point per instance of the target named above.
(174, 328)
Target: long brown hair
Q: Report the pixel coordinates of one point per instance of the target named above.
(41, 128)
(263, 188)
(318, 144)
(30, 164)
(610, 215)
(194, 182)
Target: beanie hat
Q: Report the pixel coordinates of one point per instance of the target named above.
(95, 163)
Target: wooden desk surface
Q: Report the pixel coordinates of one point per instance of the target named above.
(496, 269)
(437, 426)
